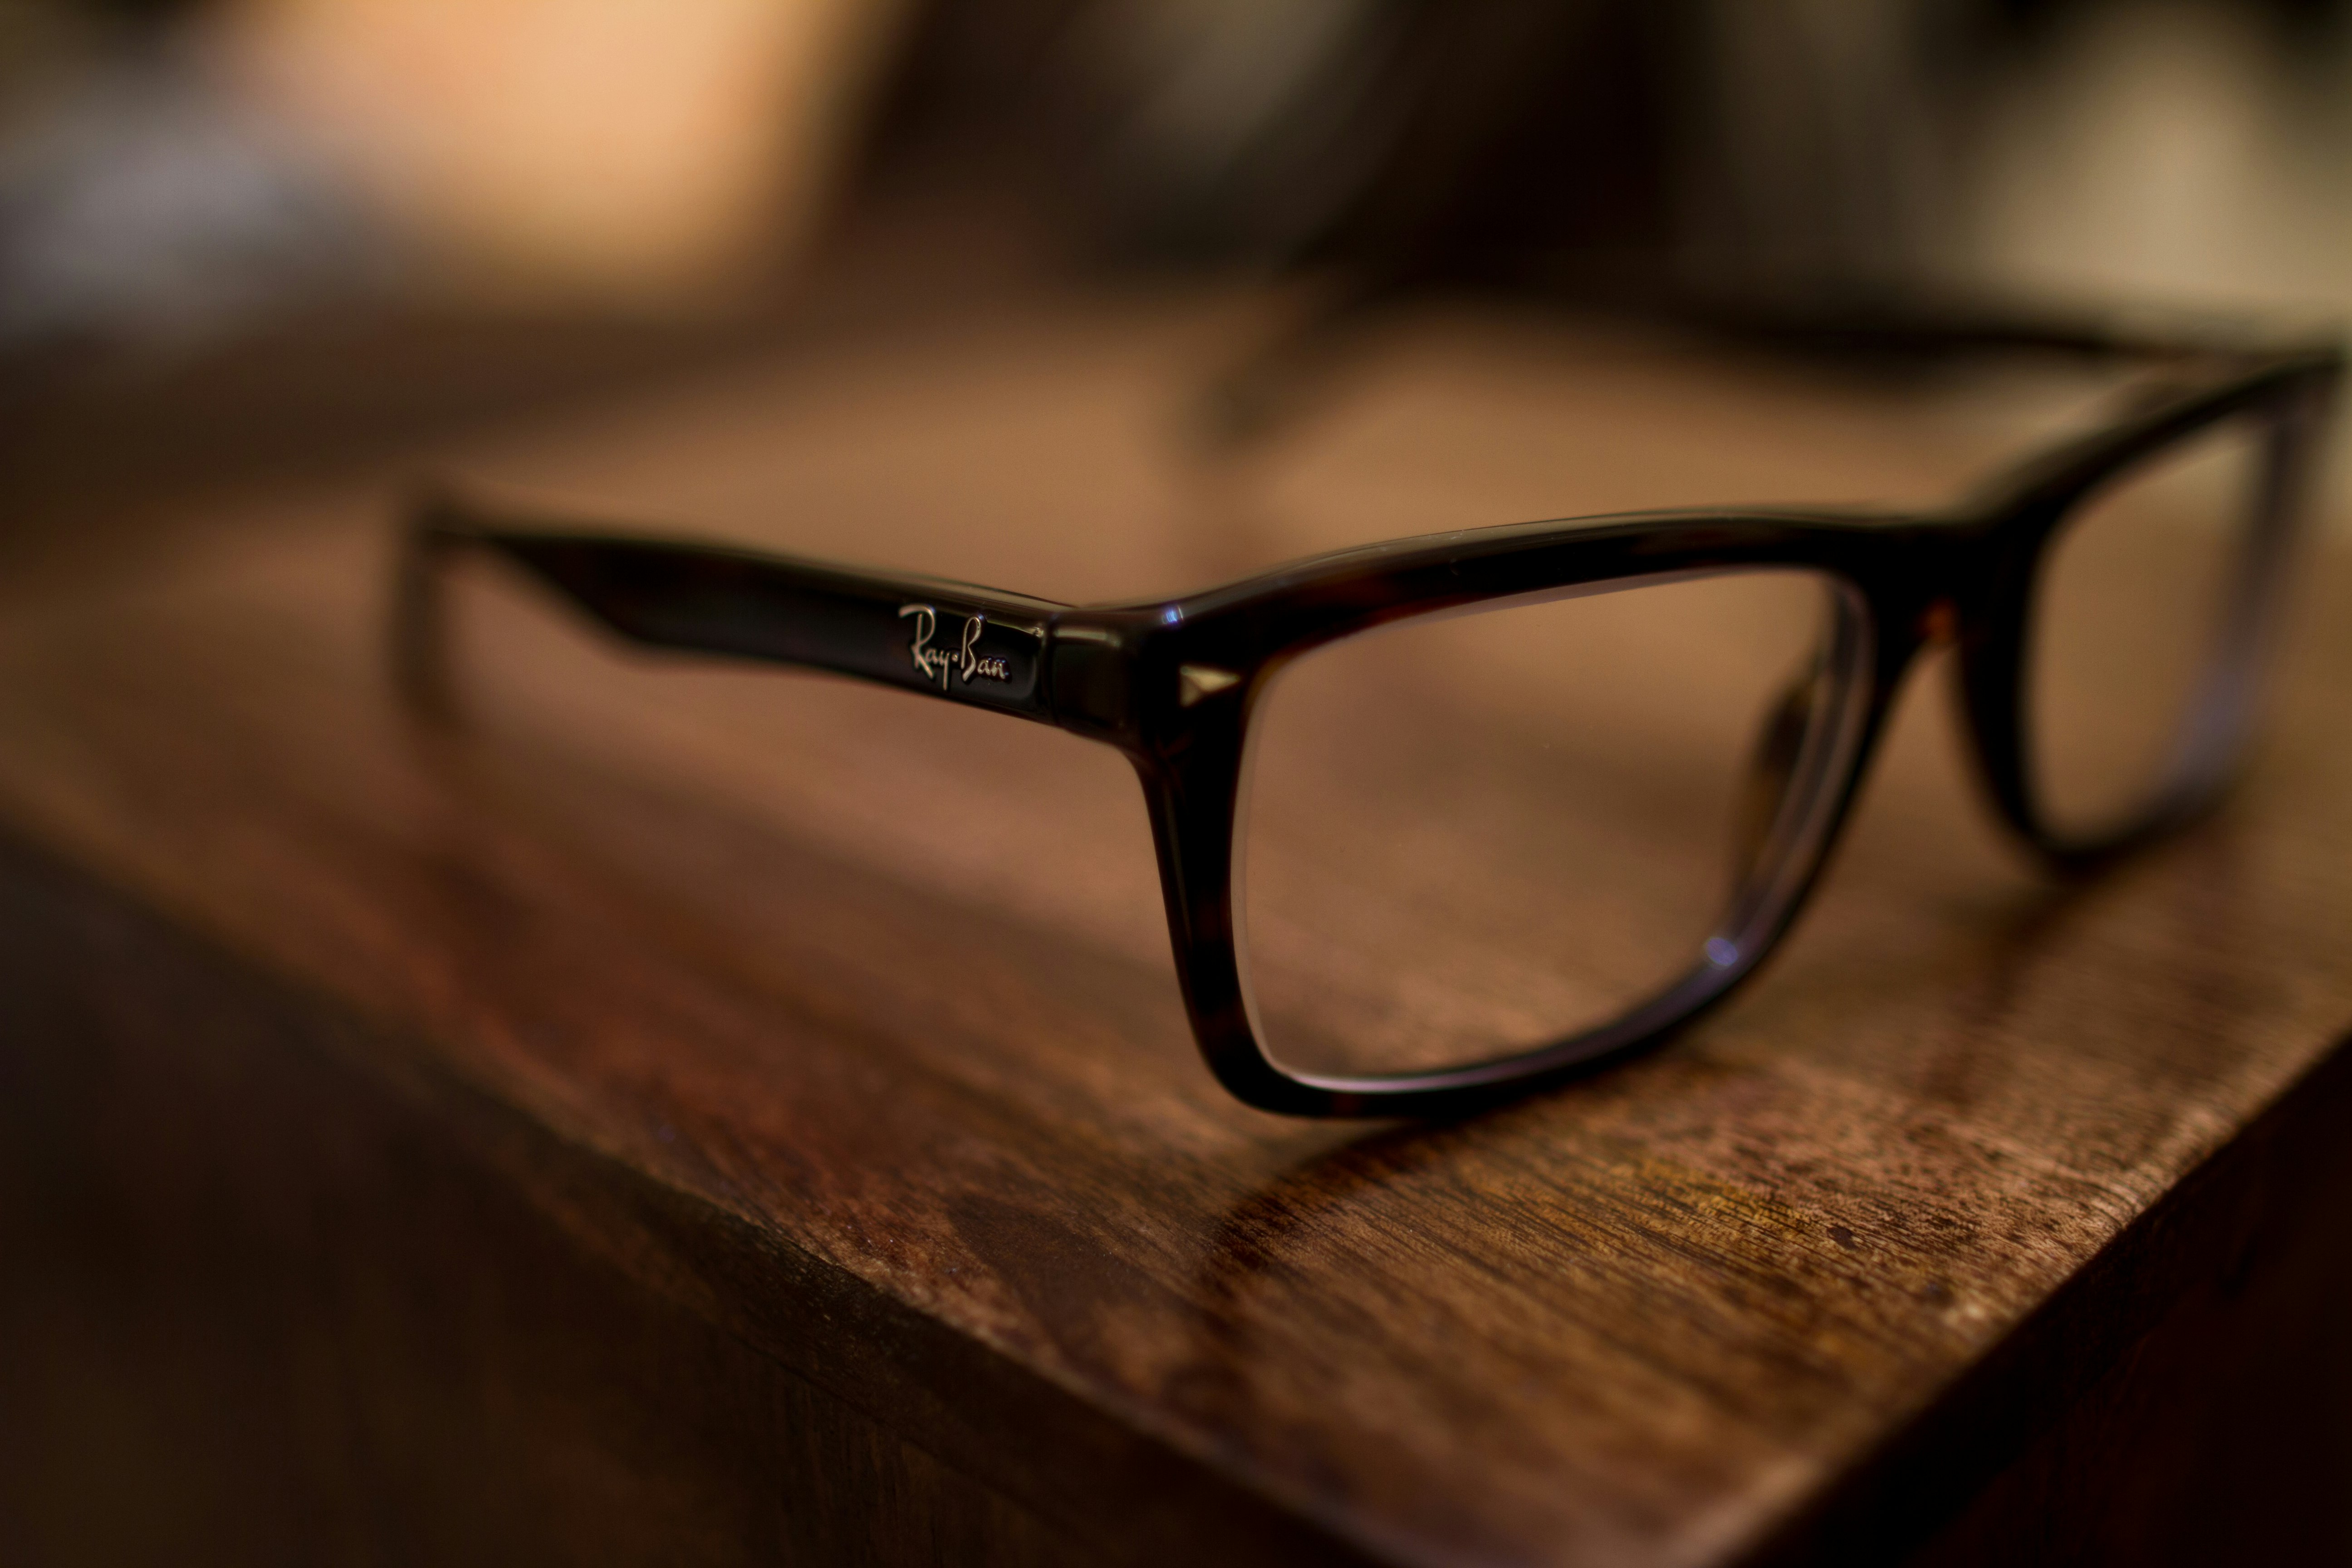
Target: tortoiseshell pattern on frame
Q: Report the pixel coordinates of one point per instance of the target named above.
(1174, 683)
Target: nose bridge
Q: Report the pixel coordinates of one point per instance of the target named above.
(1931, 585)
(1938, 623)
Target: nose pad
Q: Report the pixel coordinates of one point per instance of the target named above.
(1771, 768)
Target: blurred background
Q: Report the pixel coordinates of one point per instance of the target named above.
(239, 230)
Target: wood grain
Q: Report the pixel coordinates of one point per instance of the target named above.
(269, 1302)
(843, 1022)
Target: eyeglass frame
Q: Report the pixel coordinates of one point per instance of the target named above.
(1174, 683)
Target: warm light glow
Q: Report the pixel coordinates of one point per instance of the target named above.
(630, 148)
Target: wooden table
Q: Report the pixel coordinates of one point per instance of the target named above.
(694, 1113)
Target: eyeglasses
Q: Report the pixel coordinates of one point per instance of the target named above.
(1314, 791)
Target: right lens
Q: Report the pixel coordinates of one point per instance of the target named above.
(2137, 617)
(1467, 836)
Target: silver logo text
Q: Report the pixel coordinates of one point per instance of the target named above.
(938, 664)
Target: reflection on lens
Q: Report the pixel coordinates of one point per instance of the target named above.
(2129, 615)
(1471, 836)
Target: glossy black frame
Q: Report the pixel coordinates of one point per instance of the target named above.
(1174, 683)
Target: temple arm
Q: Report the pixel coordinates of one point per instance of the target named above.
(966, 644)
(1286, 372)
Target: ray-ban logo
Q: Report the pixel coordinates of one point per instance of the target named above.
(937, 663)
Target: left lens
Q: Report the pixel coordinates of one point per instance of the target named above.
(2138, 632)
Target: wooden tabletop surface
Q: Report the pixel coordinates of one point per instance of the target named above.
(871, 995)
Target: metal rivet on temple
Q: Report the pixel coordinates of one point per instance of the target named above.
(1194, 682)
